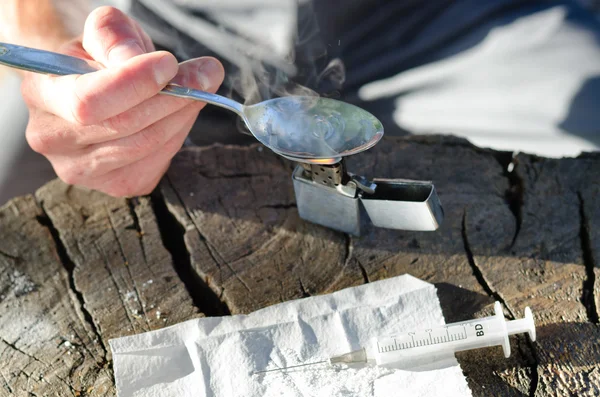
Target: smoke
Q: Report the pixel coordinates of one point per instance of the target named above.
(301, 48)
(270, 48)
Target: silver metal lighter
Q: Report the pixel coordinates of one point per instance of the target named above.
(330, 196)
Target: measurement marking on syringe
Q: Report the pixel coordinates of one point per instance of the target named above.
(423, 341)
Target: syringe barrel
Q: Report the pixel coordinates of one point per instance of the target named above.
(416, 348)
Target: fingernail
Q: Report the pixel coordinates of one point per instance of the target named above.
(165, 69)
(124, 51)
(209, 74)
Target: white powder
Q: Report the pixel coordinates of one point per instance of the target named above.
(21, 284)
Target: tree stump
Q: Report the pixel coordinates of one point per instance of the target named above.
(221, 235)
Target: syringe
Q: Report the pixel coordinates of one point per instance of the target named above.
(422, 348)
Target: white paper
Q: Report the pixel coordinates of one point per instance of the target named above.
(217, 356)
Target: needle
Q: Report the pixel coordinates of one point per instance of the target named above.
(293, 366)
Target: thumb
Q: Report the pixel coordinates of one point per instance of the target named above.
(111, 37)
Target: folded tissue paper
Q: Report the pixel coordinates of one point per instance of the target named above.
(217, 356)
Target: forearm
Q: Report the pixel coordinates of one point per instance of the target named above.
(44, 24)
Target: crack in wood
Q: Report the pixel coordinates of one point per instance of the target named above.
(69, 266)
(131, 204)
(305, 293)
(280, 280)
(34, 358)
(477, 272)
(114, 281)
(535, 375)
(363, 271)
(480, 277)
(218, 258)
(128, 267)
(231, 176)
(279, 206)
(515, 192)
(349, 255)
(214, 253)
(588, 293)
(193, 225)
(15, 348)
(237, 276)
(6, 384)
(172, 234)
(9, 256)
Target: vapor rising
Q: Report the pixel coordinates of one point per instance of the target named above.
(270, 48)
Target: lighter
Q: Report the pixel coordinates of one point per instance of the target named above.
(331, 196)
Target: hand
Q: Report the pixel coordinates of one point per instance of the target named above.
(110, 130)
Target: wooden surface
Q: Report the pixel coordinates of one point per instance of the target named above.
(222, 235)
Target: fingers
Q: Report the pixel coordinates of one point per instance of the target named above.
(97, 160)
(91, 98)
(111, 37)
(205, 74)
(141, 177)
(202, 73)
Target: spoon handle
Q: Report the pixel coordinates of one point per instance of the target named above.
(46, 62)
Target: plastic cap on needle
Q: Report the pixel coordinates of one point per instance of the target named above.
(357, 356)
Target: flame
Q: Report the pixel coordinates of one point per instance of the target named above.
(323, 161)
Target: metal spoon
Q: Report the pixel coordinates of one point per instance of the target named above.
(302, 128)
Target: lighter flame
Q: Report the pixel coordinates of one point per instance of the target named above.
(323, 161)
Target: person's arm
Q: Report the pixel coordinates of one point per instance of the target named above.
(44, 24)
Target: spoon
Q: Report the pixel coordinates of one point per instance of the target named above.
(302, 128)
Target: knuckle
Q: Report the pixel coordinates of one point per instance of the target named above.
(41, 140)
(93, 166)
(69, 173)
(114, 124)
(147, 140)
(81, 110)
(105, 16)
(38, 142)
(123, 124)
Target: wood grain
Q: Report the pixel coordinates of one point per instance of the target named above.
(222, 235)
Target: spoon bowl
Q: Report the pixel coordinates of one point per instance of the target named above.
(312, 128)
